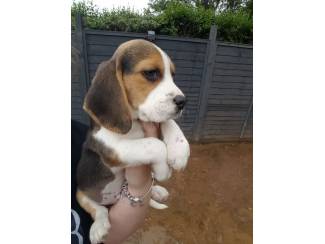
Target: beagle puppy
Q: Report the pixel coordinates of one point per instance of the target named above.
(135, 84)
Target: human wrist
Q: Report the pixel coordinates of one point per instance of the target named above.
(139, 190)
(154, 134)
(138, 177)
(151, 129)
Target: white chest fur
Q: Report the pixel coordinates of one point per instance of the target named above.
(110, 138)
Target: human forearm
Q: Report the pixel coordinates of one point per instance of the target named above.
(126, 219)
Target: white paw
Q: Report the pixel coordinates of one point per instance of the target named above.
(99, 230)
(156, 205)
(159, 193)
(161, 171)
(178, 154)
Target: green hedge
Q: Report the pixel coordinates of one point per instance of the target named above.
(178, 19)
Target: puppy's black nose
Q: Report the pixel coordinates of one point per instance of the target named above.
(180, 101)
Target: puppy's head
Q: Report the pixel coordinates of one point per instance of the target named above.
(137, 80)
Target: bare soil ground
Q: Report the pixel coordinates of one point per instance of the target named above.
(210, 202)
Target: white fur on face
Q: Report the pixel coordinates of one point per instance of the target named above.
(159, 105)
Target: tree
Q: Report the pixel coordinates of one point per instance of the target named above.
(217, 5)
(160, 5)
(185, 18)
(212, 4)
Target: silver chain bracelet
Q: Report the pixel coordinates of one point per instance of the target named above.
(133, 199)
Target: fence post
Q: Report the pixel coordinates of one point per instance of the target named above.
(249, 110)
(210, 57)
(82, 47)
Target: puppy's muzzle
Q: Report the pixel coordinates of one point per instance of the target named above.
(180, 101)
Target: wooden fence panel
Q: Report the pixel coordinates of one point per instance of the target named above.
(78, 75)
(230, 95)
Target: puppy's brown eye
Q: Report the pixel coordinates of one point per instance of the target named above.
(151, 75)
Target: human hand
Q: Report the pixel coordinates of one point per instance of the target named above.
(138, 177)
(161, 170)
(150, 129)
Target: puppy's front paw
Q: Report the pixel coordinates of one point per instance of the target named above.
(178, 154)
(99, 230)
(161, 171)
(160, 167)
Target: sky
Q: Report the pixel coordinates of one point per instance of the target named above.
(138, 5)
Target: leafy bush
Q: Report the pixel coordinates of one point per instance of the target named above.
(183, 19)
(177, 19)
(235, 27)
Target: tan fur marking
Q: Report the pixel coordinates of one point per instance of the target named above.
(112, 160)
(154, 61)
(172, 67)
(84, 204)
(129, 44)
(137, 86)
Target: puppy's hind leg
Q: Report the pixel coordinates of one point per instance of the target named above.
(158, 194)
(156, 205)
(99, 229)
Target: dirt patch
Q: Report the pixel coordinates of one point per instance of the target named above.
(210, 202)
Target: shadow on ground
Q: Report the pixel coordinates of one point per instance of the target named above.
(210, 202)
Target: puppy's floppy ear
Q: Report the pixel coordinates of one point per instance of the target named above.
(106, 101)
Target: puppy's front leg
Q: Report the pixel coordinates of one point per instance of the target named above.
(178, 148)
(145, 151)
(134, 152)
(99, 229)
